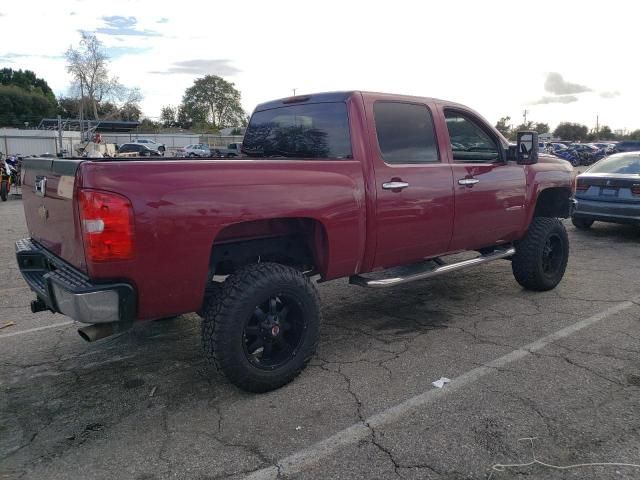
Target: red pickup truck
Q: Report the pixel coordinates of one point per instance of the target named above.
(375, 187)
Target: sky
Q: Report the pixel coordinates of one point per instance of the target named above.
(560, 61)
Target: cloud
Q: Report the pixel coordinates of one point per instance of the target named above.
(119, 25)
(559, 99)
(9, 56)
(201, 67)
(557, 85)
(163, 20)
(612, 94)
(116, 52)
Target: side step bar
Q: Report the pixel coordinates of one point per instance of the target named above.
(430, 272)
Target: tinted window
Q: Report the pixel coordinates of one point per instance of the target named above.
(469, 141)
(128, 148)
(628, 163)
(319, 130)
(405, 132)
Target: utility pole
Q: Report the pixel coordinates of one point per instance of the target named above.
(81, 111)
(524, 115)
(597, 127)
(60, 134)
(294, 92)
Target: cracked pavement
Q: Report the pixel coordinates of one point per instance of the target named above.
(144, 404)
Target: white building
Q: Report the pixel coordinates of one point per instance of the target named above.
(35, 142)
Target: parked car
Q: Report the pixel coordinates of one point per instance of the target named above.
(350, 184)
(628, 146)
(609, 191)
(554, 147)
(137, 149)
(232, 150)
(152, 144)
(195, 150)
(604, 148)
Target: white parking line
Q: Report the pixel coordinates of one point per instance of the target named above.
(311, 455)
(36, 329)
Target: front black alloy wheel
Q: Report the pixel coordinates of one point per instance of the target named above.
(261, 328)
(542, 255)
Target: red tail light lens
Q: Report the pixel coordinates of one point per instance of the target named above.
(635, 190)
(582, 187)
(107, 225)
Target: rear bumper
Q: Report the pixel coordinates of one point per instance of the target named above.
(66, 290)
(614, 212)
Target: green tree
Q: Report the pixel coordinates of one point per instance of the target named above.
(148, 125)
(24, 98)
(184, 118)
(635, 135)
(68, 107)
(28, 81)
(129, 112)
(605, 133)
(214, 101)
(504, 126)
(571, 131)
(168, 116)
(19, 107)
(542, 127)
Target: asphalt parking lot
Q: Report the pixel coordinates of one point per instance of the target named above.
(562, 367)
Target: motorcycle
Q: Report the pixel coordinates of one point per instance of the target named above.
(9, 176)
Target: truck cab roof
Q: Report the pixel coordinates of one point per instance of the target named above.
(328, 97)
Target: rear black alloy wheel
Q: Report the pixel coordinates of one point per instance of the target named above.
(581, 223)
(273, 333)
(4, 190)
(261, 329)
(541, 256)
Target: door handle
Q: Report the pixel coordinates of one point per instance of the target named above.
(469, 182)
(394, 185)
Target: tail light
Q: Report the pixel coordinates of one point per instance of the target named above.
(635, 190)
(581, 186)
(107, 225)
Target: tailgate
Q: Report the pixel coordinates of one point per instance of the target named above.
(50, 209)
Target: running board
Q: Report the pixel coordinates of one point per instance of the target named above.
(432, 271)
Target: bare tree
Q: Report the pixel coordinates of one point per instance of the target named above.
(89, 66)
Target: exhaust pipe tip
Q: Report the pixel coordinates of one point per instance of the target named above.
(97, 331)
(83, 334)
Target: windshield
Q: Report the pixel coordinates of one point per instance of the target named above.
(319, 130)
(624, 164)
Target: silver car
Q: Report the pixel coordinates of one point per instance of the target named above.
(609, 191)
(195, 150)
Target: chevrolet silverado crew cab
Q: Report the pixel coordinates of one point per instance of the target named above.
(379, 188)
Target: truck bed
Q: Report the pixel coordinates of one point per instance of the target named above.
(182, 207)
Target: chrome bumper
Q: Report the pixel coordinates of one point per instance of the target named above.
(62, 288)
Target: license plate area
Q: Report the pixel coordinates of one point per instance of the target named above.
(609, 192)
(29, 262)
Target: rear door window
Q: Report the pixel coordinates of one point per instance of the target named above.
(405, 133)
(319, 130)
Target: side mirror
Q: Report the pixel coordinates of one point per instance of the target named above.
(527, 148)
